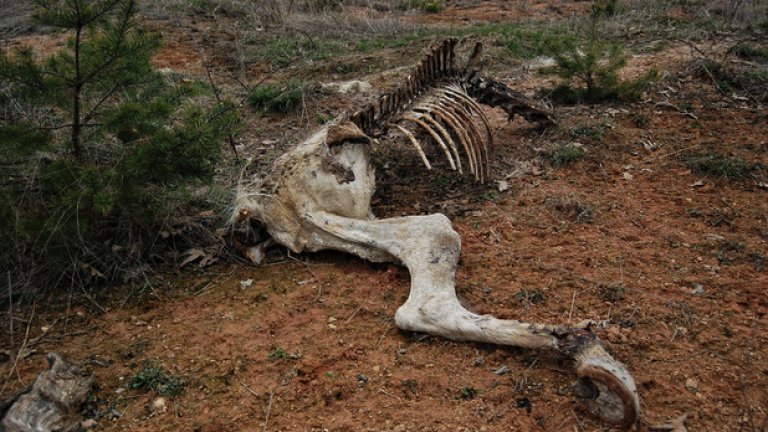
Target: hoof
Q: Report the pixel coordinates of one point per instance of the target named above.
(606, 390)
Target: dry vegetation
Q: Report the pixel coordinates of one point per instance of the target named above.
(646, 214)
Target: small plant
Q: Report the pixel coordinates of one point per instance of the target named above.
(586, 131)
(277, 354)
(527, 297)
(428, 6)
(566, 154)
(153, 377)
(322, 118)
(751, 53)
(573, 208)
(717, 165)
(601, 8)
(611, 293)
(277, 98)
(467, 393)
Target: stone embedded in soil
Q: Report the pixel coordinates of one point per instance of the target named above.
(691, 385)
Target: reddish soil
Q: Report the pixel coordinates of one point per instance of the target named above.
(672, 264)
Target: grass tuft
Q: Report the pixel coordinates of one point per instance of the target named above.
(718, 165)
(566, 154)
(153, 377)
(277, 98)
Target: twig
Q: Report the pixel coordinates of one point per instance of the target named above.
(382, 391)
(21, 350)
(573, 301)
(665, 104)
(269, 409)
(353, 314)
(249, 389)
(10, 307)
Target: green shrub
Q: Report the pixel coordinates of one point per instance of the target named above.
(98, 146)
(277, 98)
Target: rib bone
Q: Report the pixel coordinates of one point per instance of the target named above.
(472, 106)
(475, 137)
(424, 113)
(459, 130)
(416, 144)
(414, 117)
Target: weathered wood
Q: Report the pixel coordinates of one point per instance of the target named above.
(53, 402)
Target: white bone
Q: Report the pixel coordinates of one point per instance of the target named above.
(416, 144)
(461, 132)
(416, 118)
(424, 114)
(473, 133)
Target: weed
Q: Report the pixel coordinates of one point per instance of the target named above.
(322, 118)
(729, 246)
(277, 354)
(467, 393)
(283, 51)
(718, 165)
(640, 120)
(759, 260)
(601, 8)
(527, 297)
(153, 377)
(587, 131)
(611, 293)
(566, 154)
(428, 6)
(277, 98)
(751, 53)
(573, 208)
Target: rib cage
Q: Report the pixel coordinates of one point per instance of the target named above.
(437, 100)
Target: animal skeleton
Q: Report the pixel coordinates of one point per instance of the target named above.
(319, 197)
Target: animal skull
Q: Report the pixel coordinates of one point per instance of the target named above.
(319, 197)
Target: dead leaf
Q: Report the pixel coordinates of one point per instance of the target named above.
(698, 183)
(763, 185)
(627, 176)
(503, 185)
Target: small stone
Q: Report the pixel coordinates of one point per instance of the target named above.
(159, 405)
(88, 423)
(697, 289)
(332, 326)
(691, 385)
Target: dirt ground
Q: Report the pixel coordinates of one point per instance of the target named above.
(671, 263)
